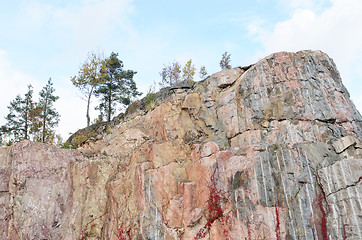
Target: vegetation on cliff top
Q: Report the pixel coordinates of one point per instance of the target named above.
(32, 120)
(106, 79)
(90, 75)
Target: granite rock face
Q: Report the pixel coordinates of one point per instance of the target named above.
(268, 151)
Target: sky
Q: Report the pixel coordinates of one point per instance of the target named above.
(42, 39)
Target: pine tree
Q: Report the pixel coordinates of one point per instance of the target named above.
(225, 61)
(117, 87)
(49, 117)
(28, 112)
(90, 75)
(20, 119)
(14, 127)
(2, 137)
(188, 72)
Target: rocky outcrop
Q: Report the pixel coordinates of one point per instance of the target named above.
(269, 151)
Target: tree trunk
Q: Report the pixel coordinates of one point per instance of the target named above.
(44, 117)
(89, 97)
(26, 122)
(109, 103)
(43, 137)
(26, 127)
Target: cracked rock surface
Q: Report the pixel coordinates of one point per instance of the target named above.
(268, 151)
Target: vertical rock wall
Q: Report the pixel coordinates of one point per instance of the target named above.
(269, 151)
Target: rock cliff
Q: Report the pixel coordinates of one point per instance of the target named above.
(268, 151)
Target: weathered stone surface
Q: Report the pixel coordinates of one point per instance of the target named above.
(208, 149)
(227, 77)
(194, 217)
(269, 151)
(341, 144)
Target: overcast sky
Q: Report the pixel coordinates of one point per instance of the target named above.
(42, 39)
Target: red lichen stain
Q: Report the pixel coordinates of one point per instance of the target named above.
(277, 227)
(123, 235)
(321, 223)
(344, 235)
(248, 226)
(214, 209)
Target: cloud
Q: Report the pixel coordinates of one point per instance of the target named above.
(34, 14)
(12, 82)
(73, 28)
(76, 26)
(332, 30)
(92, 20)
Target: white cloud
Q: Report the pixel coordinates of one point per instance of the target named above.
(12, 83)
(256, 29)
(34, 14)
(93, 20)
(77, 26)
(335, 30)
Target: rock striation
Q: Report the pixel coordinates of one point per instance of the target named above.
(268, 151)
